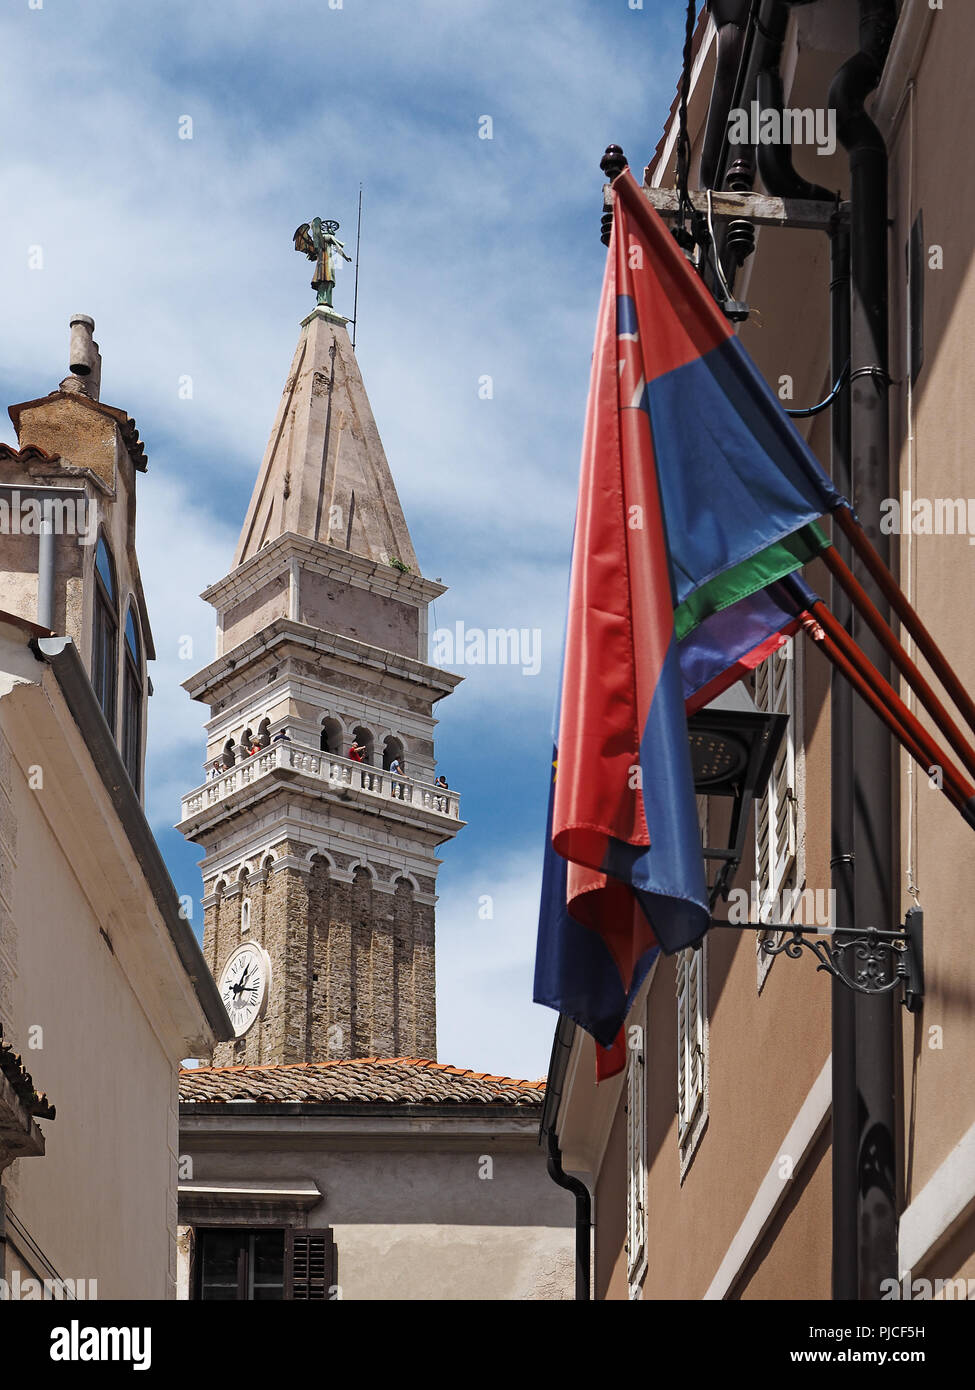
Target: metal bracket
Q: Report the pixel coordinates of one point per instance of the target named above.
(871, 962)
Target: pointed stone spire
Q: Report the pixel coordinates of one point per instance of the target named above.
(325, 474)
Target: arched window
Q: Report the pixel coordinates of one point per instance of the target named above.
(392, 750)
(364, 738)
(264, 733)
(331, 741)
(104, 656)
(132, 700)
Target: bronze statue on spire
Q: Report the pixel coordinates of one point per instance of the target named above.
(318, 241)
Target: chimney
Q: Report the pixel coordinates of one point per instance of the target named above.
(84, 361)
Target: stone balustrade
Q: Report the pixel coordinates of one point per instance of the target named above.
(330, 768)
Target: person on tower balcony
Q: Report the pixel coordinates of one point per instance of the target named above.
(356, 752)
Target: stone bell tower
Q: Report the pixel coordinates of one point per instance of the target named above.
(327, 863)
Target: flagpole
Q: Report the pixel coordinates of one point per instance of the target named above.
(902, 607)
(894, 648)
(866, 690)
(895, 714)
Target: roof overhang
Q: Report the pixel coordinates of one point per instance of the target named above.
(284, 635)
(327, 560)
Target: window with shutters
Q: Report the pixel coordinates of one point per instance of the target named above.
(777, 811)
(692, 1051)
(233, 1264)
(636, 1149)
(311, 1274)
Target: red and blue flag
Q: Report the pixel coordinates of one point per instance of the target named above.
(690, 469)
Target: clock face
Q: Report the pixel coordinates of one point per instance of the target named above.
(244, 986)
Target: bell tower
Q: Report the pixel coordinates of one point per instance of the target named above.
(326, 863)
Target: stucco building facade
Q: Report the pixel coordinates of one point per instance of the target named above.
(710, 1158)
(103, 988)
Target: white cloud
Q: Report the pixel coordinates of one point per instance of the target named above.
(478, 257)
(485, 967)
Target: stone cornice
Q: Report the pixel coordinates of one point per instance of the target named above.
(285, 633)
(316, 557)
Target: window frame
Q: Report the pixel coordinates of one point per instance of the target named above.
(787, 874)
(133, 692)
(637, 1177)
(308, 1275)
(693, 1042)
(105, 648)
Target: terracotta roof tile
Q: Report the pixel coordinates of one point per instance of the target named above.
(12, 1067)
(700, 30)
(27, 453)
(364, 1080)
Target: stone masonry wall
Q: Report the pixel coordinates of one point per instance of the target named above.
(352, 966)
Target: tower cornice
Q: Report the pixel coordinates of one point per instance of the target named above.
(284, 636)
(328, 560)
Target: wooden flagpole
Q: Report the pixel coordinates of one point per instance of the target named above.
(882, 631)
(901, 605)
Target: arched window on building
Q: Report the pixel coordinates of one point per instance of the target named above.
(264, 733)
(392, 748)
(104, 655)
(331, 741)
(132, 700)
(365, 739)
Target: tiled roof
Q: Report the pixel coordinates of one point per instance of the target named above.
(12, 1067)
(362, 1081)
(700, 30)
(27, 454)
(127, 426)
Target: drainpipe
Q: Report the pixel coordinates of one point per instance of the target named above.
(45, 569)
(779, 175)
(782, 180)
(874, 1017)
(759, 78)
(558, 1064)
(730, 20)
(842, 868)
(583, 1214)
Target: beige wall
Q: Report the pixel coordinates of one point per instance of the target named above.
(357, 612)
(99, 1203)
(93, 994)
(411, 1217)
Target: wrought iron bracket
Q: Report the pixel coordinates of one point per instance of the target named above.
(870, 961)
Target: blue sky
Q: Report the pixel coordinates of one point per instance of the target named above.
(479, 257)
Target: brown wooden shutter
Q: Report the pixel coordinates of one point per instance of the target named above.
(309, 1265)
